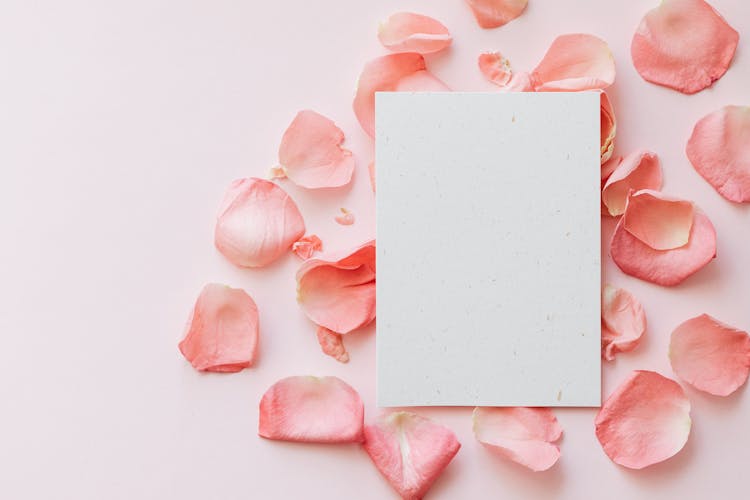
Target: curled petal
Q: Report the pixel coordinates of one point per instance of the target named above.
(332, 344)
(338, 291)
(222, 333)
(345, 218)
(312, 410)
(306, 246)
(495, 68)
(710, 355)
(257, 223)
(719, 149)
(646, 420)
(311, 154)
(638, 170)
(410, 451)
(409, 32)
(524, 435)
(660, 221)
(623, 322)
(495, 13)
(607, 169)
(371, 171)
(575, 62)
(395, 72)
(684, 45)
(608, 128)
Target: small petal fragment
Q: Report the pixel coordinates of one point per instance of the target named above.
(410, 451)
(306, 246)
(575, 62)
(311, 155)
(395, 72)
(495, 13)
(638, 170)
(495, 68)
(257, 223)
(710, 355)
(684, 45)
(623, 322)
(519, 82)
(608, 128)
(312, 410)
(345, 218)
(719, 149)
(409, 32)
(660, 221)
(524, 435)
(337, 291)
(644, 421)
(332, 344)
(222, 333)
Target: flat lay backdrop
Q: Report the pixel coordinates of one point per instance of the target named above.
(121, 124)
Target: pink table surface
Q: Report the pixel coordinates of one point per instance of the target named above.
(121, 125)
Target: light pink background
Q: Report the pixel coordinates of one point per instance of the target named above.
(121, 125)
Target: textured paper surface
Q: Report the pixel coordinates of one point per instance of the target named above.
(488, 231)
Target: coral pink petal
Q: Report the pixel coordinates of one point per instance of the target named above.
(332, 344)
(495, 68)
(710, 355)
(495, 13)
(222, 333)
(345, 218)
(645, 421)
(394, 72)
(623, 321)
(608, 128)
(660, 221)
(684, 45)
(575, 62)
(311, 153)
(410, 451)
(306, 246)
(409, 32)
(607, 168)
(719, 149)
(371, 171)
(312, 410)
(638, 170)
(524, 435)
(257, 223)
(338, 291)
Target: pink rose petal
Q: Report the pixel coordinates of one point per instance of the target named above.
(409, 32)
(337, 291)
(312, 410)
(575, 62)
(683, 44)
(495, 13)
(306, 246)
(607, 168)
(524, 435)
(644, 421)
(719, 149)
(495, 68)
(395, 72)
(311, 154)
(662, 222)
(710, 355)
(371, 171)
(623, 322)
(332, 344)
(345, 218)
(222, 333)
(638, 170)
(257, 223)
(608, 128)
(410, 451)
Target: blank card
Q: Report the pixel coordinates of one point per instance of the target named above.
(488, 249)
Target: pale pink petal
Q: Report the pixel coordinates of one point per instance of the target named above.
(719, 149)
(519, 82)
(524, 435)
(306, 246)
(332, 344)
(409, 32)
(662, 222)
(644, 421)
(575, 62)
(371, 171)
(312, 410)
(311, 154)
(222, 332)
(608, 128)
(410, 451)
(683, 44)
(623, 321)
(495, 68)
(638, 170)
(394, 72)
(607, 168)
(345, 218)
(495, 13)
(257, 223)
(710, 355)
(337, 291)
